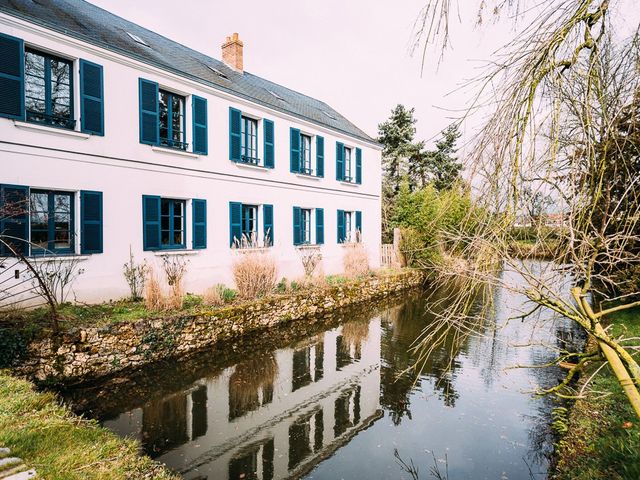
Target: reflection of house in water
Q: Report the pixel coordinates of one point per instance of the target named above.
(271, 416)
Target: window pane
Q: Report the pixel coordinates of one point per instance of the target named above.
(62, 239)
(40, 238)
(163, 102)
(164, 222)
(39, 202)
(164, 237)
(34, 64)
(62, 203)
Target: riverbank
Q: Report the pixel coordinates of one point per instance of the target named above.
(62, 446)
(132, 338)
(603, 432)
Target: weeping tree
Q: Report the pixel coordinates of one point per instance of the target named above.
(564, 118)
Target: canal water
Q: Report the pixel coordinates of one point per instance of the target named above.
(339, 401)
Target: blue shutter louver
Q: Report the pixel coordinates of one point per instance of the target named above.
(91, 230)
(359, 222)
(296, 226)
(339, 161)
(11, 77)
(91, 98)
(149, 112)
(235, 222)
(295, 150)
(199, 115)
(267, 211)
(269, 144)
(151, 222)
(358, 165)
(319, 156)
(340, 229)
(14, 219)
(199, 219)
(235, 130)
(319, 226)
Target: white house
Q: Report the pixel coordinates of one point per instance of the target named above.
(117, 137)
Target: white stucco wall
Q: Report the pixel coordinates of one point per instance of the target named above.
(124, 170)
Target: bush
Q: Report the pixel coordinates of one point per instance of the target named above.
(255, 273)
(154, 297)
(219, 295)
(429, 219)
(356, 260)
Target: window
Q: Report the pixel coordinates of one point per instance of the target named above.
(347, 165)
(48, 90)
(249, 140)
(250, 223)
(305, 154)
(171, 109)
(348, 227)
(172, 223)
(305, 225)
(51, 221)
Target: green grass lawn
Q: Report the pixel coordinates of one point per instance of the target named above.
(603, 441)
(62, 446)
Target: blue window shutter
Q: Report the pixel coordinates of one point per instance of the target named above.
(235, 130)
(319, 156)
(269, 144)
(199, 219)
(200, 135)
(319, 226)
(91, 98)
(235, 222)
(11, 77)
(295, 150)
(296, 226)
(151, 222)
(341, 232)
(339, 161)
(149, 112)
(358, 165)
(359, 221)
(267, 212)
(91, 218)
(14, 223)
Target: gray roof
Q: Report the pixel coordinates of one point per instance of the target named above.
(87, 22)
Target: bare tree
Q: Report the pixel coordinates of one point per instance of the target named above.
(566, 118)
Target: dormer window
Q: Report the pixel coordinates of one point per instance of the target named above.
(48, 89)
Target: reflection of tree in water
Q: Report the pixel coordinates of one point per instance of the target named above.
(568, 337)
(401, 371)
(251, 380)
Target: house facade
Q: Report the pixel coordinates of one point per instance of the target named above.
(116, 139)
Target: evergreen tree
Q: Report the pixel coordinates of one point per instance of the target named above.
(396, 135)
(440, 167)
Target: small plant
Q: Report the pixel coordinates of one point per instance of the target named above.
(175, 268)
(251, 241)
(154, 297)
(310, 258)
(283, 285)
(356, 260)
(255, 274)
(135, 274)
(219, 295)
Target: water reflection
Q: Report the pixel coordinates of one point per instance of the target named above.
(338, 403)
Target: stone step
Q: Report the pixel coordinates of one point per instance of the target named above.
(25, 475)
(12, 468)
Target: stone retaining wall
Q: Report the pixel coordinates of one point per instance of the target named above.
(95, 352)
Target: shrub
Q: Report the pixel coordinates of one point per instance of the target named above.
(175, 268)
(135, 275)
(154, 297)
(310, 258)
(356, 260)
(219, 295)
(255, 273)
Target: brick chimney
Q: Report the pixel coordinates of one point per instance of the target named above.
(232, 52)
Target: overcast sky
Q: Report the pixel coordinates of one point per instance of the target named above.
(353, 54)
